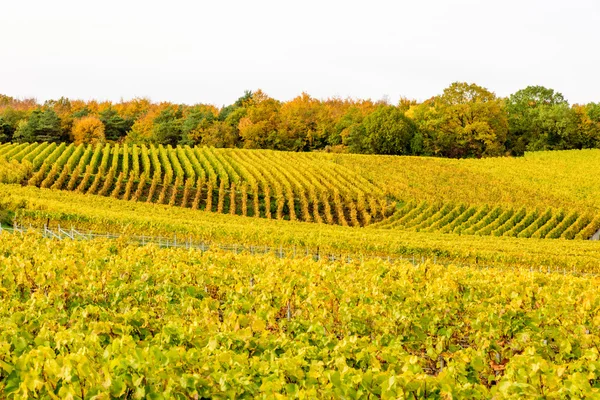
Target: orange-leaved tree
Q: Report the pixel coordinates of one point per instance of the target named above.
(88, 129)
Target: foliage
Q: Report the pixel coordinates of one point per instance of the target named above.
(115, 126)
(539, 119)
(42, 125)
(486, 220)
(9, 121)
(305, 124)
(560, 179)
(103, 319)
(88, 130)
(465, 121)
(258, 125)
(341, 189)
(14, 171)
(227, 170)
(385, 131)
(104, 214)
(6, 131)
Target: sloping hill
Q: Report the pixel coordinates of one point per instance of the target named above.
(560, 179)
(543, 195)
(486, 220)
(38, 207)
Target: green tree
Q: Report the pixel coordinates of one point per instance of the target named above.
(587, 130)
(115, 126)
(84, 112)
(6, 131)
(232, 115)
(592, 134)
(63, 109)
(167, 127)
(239, 103)
(349, 130)
(202, 126)
(9, 121)
(555, 128)
(42, 126)
(539, 119)
(385, 131)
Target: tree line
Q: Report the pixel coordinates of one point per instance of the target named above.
(466, 120)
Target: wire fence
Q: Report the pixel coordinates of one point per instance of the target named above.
(186, 242)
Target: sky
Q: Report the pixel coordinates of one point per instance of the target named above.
(211, 52)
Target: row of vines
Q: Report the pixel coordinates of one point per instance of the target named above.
(263, 184)
(496, 221)
(273, 185)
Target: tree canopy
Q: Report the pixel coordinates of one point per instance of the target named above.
(465, 120)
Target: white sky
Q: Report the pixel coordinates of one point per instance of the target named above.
(210, 52)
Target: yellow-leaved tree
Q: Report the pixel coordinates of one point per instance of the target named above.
(88, 129)
(258, 127)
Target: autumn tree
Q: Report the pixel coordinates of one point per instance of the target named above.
(586, 133)
(465, 121)
(134, 109)
(197, 120)
(305, 124)
(219, 134)
(142, 129)
(88, 129)
(258, 127)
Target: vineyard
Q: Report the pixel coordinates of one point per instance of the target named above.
(37, 207)
(320, 188)
(495, 221)
(289, 276)
(103, 319)
(263, 184)
(560, 179)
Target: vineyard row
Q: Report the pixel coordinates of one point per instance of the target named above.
(262, 184)
(496, 221)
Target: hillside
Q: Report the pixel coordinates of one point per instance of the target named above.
(562, 179)
(543, 195)
(37, 207)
